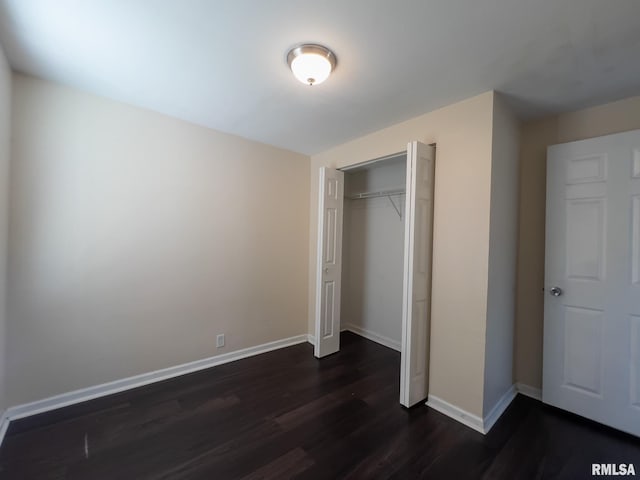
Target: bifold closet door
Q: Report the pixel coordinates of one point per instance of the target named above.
(329, 264)
(416, 308)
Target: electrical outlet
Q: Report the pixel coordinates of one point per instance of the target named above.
(220, 340)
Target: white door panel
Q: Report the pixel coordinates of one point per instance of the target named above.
(329, 265)
(414, 371)
(592, 330)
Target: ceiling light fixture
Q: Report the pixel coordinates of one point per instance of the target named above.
(311, 63)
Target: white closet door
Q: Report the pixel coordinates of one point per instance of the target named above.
(416, 308)
(329, 264)
(592, 280)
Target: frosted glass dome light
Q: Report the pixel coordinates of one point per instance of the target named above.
(311, 64)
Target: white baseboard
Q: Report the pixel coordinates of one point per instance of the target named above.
(311, 338)
(374, 337)
(498, 409)
(529, 391)
(482, 425)
(368, 334)
(4, 425)
(96, 391)
(450, 410)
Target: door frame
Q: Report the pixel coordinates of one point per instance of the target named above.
(404, 338)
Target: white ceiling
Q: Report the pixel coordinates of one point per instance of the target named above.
(221, 63)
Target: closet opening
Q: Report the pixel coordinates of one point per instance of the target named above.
(372, 250)
(375, 228)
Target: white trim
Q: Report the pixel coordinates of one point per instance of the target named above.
(4, 425)
(374, 337)
(529, 391)
(354, 166)
(498, 409)
(311, 338)
(450, 410)
(96, 391)
(482, 425)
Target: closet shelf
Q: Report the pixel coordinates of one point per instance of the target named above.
(380, 193)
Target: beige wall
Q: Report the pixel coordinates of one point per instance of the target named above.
(463, 134)
(135, 238)
(5, 152)
(498, 370)
(535, 137)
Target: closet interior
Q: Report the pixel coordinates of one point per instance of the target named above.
(373, 248)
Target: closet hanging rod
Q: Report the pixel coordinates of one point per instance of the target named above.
(381, 193)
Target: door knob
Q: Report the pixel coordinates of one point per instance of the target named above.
(555, 291)
(326, 269)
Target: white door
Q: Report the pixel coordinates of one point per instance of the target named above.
(329, 264)
(592, 280)
(416, 299)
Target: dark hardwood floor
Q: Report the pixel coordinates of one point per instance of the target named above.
(285, 414)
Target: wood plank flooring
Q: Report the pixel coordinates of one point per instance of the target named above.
(285, 414)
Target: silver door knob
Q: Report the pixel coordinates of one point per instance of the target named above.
(326, 269)
(555, 291)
